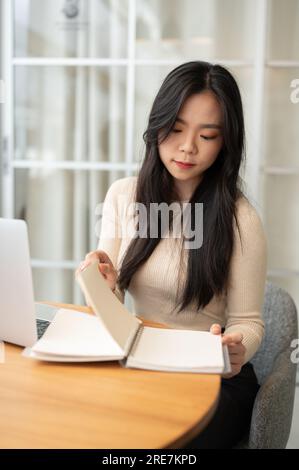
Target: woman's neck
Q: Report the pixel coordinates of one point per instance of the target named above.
(185, 189)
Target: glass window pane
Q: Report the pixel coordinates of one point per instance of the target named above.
(62, 28)
(281, 118)
(281, 123)
(196, 29)
(60, 210)
(53, 285)
(283, 31)
(70, 113)
(281, 195)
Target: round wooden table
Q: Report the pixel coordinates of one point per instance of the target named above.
(100, 405)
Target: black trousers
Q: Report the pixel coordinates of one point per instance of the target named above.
(231, 421)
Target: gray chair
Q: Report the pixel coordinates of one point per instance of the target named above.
(273, 407)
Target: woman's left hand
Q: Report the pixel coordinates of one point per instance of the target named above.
(235, 347)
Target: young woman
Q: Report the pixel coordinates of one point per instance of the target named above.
(194, 149)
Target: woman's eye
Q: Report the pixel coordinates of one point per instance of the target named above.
(202, 136)
(208, 138)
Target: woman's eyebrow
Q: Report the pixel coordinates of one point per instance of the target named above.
(201, 126)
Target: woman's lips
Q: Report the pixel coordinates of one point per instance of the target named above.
(184, 165)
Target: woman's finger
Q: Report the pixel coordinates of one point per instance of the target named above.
(109, 273)
(94, 256)
(103, 257)
(236, 349)
(104, 268)
(235, 337)
(98, 255)
(215, 329)
(107, 270)
(90, 257)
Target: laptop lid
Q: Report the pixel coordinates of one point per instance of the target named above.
(17, 309)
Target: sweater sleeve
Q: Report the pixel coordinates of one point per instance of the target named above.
(247, 278)
(110, 234)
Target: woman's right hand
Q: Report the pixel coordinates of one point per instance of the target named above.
(105, 266)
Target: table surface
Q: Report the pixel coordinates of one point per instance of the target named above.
(100, 405)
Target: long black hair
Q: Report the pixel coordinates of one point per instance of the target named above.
(208, 266)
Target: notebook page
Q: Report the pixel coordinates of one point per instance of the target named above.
(172, 348)
(27, 352)
(73, 333)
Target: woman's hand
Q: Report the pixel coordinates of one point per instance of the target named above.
(236, 349)
(105, 266)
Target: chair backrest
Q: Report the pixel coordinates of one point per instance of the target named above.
(281, 327)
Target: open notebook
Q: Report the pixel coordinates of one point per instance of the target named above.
(114, 333)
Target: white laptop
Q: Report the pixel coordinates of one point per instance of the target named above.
(22, 321)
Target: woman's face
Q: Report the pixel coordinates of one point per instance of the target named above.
(195, 139)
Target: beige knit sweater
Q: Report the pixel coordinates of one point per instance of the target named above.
(154, 286)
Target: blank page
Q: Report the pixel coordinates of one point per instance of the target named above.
(73, 333)
(169, 349)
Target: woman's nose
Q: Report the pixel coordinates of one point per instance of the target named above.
(188, 146)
